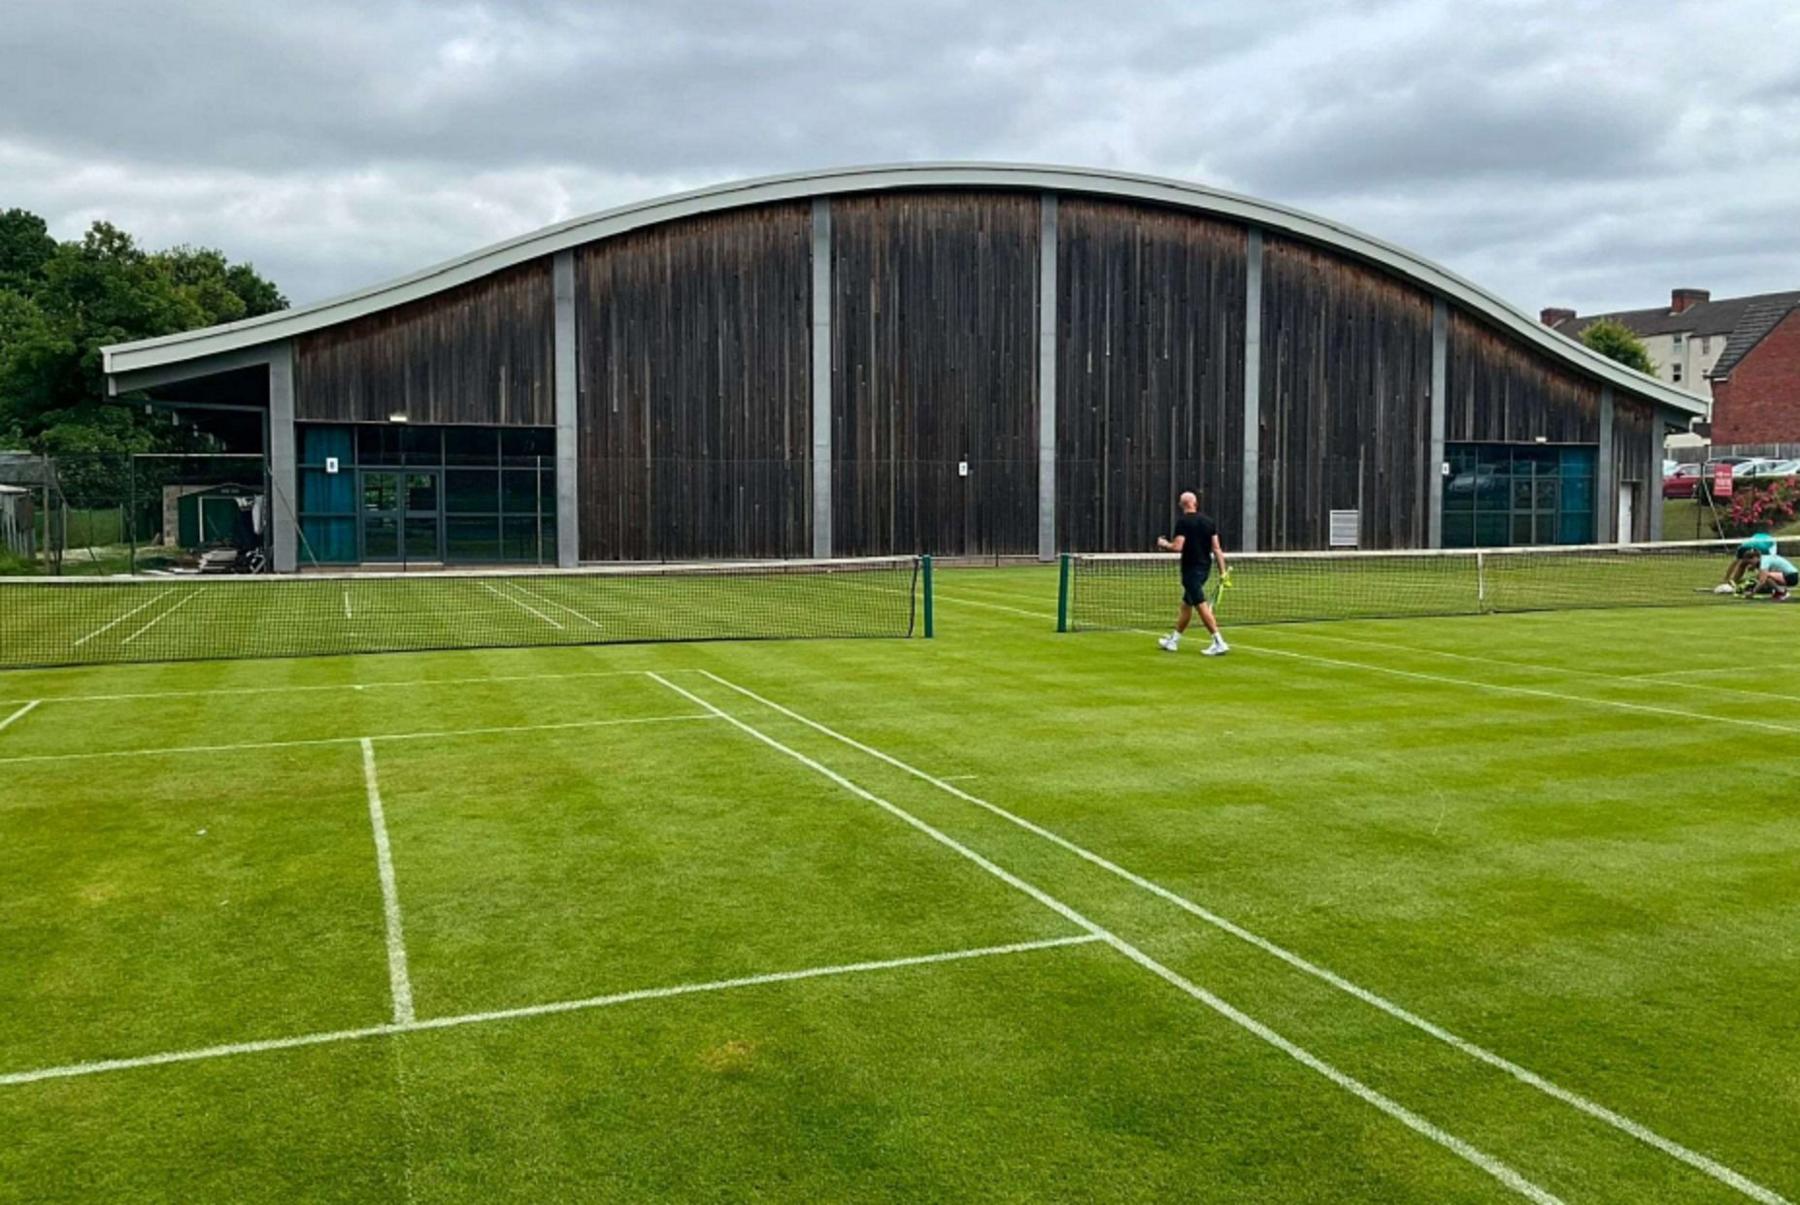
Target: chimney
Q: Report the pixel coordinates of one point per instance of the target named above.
(1555, 317)
(1682, 299)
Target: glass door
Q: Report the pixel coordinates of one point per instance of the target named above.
(379, 510)
(401, 515)
(420, 527)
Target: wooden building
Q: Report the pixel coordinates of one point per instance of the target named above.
(956, 359)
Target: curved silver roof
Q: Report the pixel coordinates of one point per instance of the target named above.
(238, 336)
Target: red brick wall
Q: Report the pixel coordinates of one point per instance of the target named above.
(1761, 401)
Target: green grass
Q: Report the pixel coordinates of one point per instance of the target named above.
(1494, 822)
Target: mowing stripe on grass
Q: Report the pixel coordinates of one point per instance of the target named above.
(1537, 692)
(523, 606)
(1480, 1159)
(72, 1070)
(1599, 1112)
(18, 715)
(970, 602)
(277, 690)
(107, 627)
(181, 602)
(398, 980)
(1624, 679)
(351, 740)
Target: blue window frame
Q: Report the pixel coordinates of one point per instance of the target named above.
(1501, 495)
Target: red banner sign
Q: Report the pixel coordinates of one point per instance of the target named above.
(1721, 481)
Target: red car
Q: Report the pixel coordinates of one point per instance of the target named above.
(1684, 482)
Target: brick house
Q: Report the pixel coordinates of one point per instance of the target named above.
(1756, 382)
(1699, 345)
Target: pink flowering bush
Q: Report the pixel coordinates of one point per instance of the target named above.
(1775, 503)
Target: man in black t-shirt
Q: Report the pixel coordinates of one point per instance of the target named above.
(1196, 538)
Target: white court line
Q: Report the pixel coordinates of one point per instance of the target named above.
(523, 606)
(1487, 1163)
(970, 602)
(399, 982)
(1625, 679)
(1694, 1159)
(294, 689)
(121, 619)
(181, 602)
(1536, 692)
(20, 714)
(551, 602)
(71, 1070)
(351, 740)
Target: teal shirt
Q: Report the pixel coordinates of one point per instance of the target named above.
(1760, 544)
(1777, 564)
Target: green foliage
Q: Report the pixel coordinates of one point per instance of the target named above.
(1615, 341)
(60, 303)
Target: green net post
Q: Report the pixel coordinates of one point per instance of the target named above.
(925, 580)
(1062, 592)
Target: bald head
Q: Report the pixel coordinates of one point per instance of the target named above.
(1189, 502)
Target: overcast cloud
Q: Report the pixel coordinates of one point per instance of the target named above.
(1591, 154)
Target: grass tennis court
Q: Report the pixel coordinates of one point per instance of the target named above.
(1429, 909)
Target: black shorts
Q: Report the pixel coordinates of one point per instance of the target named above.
(1193, 585)
(1792, 579)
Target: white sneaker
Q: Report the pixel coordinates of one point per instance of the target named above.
(1168, 644)
(1217, 648)
(1724, 588)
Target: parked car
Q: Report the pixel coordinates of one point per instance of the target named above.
(1683, 482)
(1769, 469)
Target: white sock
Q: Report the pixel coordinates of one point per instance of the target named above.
(1218, 638)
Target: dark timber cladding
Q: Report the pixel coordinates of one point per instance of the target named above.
(1501, 392)
(1346, 401)
(480, 353)
(692, 345)
(1150, 372)
(934, 363)
(1635, 458)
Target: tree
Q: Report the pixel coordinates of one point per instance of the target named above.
(60, 303)
(1615, 341)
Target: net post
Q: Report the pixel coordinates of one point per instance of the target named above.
(925, 579)
(1062, 592)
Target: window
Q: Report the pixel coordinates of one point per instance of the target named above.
(1675, 372)
(1510, 494)
(489, 513)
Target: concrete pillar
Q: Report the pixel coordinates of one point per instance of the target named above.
(1252, 387)
(284, 508)
(821, 377)
(1440, 398)
(568, 456)
(1606, 477)
(1046, 350)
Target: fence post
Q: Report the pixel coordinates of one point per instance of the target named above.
(1062, 593)
(131, 511)
(925, 572)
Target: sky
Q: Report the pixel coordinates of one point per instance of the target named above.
(1587, 154)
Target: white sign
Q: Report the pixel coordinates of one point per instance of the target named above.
(331, 463)
(962, 468)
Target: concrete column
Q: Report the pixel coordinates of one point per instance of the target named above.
(821, 377)
(1253, 279)
(1046, 350)
(1440, 398)
(1606, 477)
(568, 457)
(284, 508)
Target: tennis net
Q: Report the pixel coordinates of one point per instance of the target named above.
(89, 621)
(1141, 591)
